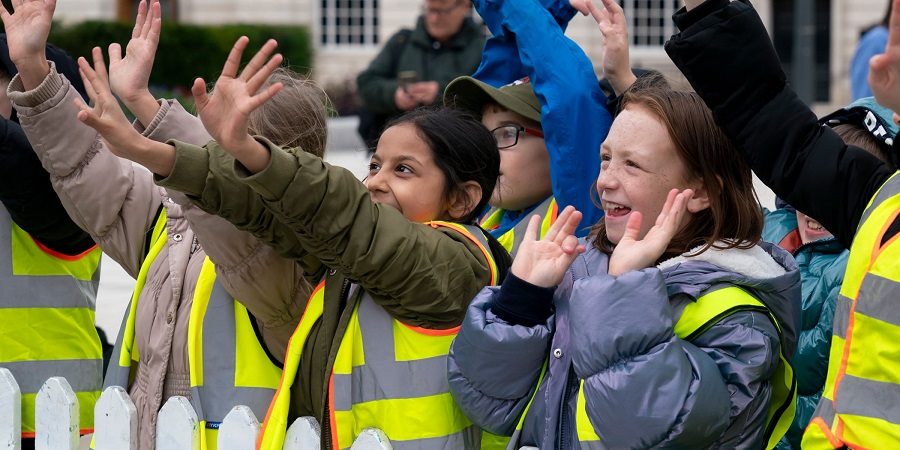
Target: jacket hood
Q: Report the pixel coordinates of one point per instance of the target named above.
(765, 270)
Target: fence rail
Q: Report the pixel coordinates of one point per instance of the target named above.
(115, 423)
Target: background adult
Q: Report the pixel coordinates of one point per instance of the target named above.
(871, 43)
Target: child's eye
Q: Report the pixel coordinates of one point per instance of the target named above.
(373, 167)
(404, 169)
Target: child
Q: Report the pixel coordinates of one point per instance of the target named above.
(542, 122)
(850, 192)
(822, 260)
(397, 259)
(665, 334)
(159, 242)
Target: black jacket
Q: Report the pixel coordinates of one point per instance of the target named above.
(725, 52)
(25, 188)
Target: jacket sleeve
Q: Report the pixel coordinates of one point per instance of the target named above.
(573, 112)
(271, 287)
(773, 129)
(423, 275)
(110, 198)
(27, 194)
(378, 82)
(205, 176)
(644, 387)
(494, 366)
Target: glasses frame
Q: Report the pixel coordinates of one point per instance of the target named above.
(519, 131)
(440, 12)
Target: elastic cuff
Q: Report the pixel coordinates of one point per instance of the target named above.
(271, 182)
(49, 88)
(164, 106)
(190, 170)
(522, 303)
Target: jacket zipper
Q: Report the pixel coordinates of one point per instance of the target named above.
(326, 418)
(562, 442)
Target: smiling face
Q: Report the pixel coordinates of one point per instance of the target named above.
(639, 166)
(524, 168)
(810, 230)
(404, 175)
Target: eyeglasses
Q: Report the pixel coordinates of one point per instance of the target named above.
(508, 135)
(440, 12)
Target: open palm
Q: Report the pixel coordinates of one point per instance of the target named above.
(614, 28)
(884, 70)
(129, 77)
(106, 115)
(27, 28)
(225, 112)
(635, 253)
(543, 262)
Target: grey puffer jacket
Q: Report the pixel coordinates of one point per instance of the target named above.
(644, 387)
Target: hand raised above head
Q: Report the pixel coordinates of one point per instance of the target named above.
(225, 112)
(27, 29)
(105, 116)
(614, 28)
(543, 262)
(129, 77)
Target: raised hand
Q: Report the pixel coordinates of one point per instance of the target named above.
(634, 253)
(225, 112)
(129, 77)
(108, 119)
(544, 262)
(884, 69)
(27, 29)
(611, 22)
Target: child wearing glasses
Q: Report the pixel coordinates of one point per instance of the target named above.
(548, 123)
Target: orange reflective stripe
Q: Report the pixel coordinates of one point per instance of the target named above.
(281, 384)
(59, 255)
(433, 331)
(823, 427)
(887, 244)
(462, 230)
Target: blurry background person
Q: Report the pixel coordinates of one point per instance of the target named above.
(871, 43)
(416, 65)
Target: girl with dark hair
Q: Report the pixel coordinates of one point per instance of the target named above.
(397, 259)
(671, 326)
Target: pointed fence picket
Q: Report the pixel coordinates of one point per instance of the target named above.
(115, 423)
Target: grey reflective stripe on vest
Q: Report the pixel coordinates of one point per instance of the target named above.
(889, 189)
(825, 411)
(117, 375)
(45, 291)
(218, 394)
(876, 287)
(591, 445)
(83, 375)
(869, 398)
(841, 316)
(393, 377)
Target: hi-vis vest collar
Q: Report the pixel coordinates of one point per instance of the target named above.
(227, 362)
(695, 319)
(548, 210)
(860, 404)
(387, 375)
(47, 329)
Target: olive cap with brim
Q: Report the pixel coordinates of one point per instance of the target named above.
(472, 95)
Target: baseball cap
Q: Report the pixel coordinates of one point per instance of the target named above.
(469, 94)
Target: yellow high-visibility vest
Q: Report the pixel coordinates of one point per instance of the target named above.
(548, 210)
(227, 361)
(387, 375)
(860, 404)
(47, 303)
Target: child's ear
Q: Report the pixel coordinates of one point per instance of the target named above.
(700, 200)
(463, 199)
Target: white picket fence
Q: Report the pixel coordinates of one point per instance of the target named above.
(115, 423)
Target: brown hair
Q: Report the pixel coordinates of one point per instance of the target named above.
(734, 218)
(295, 116)
(862, 138)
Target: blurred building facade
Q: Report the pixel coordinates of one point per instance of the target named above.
(348, 33)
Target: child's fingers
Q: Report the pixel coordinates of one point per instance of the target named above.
(92, 94)
(234, 57)
(633, 226)
(894, 25)
(156, 24)
(115, 53)
(259, 60)
(99, 65)
(89, 76)
(570, 245)
(199, 90)
(613, 7)
(667, 207)
(139, 20)
(569, 226)
(256, 82)
(257, 100)
(556, 226)
(3, 12)
(532, 231)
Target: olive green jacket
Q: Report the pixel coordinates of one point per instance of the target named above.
(322, 217)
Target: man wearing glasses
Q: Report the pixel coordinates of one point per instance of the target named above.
(416, 65)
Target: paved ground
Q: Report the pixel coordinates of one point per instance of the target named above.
(344, 149)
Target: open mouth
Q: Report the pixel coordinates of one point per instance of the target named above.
(612, 209)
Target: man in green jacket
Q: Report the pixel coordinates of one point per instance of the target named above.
(415, 66)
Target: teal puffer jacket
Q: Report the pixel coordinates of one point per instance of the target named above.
(822, 265)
